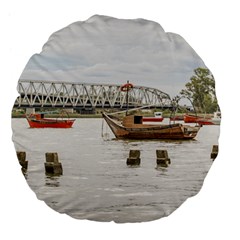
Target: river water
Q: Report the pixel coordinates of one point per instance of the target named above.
(98, 185)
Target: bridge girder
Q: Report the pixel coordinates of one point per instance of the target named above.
(86, 95)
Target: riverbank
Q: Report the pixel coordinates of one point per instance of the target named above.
(97, 115)
(70, 115)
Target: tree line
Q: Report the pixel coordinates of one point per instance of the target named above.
(201, 91)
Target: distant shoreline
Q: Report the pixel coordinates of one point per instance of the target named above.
(71, 115)
(96, 115)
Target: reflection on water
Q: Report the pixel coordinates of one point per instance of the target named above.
(52, 181)
(162, 170)
(98, 185)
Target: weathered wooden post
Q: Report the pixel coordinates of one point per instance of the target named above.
(52, 165)
(22, 160)
(162, 158)
(134, 158)
(214, 152)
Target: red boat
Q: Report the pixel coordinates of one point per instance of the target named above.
(157, 118)
(216, 120)
(203, 120)
(38, 121)
(177, 118)
(188, 118)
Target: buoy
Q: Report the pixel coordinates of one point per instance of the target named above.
(126, 87)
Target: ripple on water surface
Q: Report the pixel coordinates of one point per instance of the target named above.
(98, 185)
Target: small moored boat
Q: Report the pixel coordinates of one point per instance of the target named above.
(189, 118)
(38, 121)
(216, 120)
(132, 127)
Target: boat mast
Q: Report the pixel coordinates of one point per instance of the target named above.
(125, 88)
(127, 97)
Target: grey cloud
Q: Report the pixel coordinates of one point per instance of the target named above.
(109, 50)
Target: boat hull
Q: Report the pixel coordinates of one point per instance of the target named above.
(190, 118)
(208, 122)
(173, 131)
(48, 123)
(202, 120)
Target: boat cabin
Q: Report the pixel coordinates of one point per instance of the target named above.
(132, 121)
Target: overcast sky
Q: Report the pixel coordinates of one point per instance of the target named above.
(108, 50)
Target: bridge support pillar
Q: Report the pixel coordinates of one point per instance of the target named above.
(52, 165)
(162, 158)
(214, 152)
(134, 158)
(22, 160)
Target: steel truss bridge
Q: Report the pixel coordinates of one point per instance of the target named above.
(46, 94)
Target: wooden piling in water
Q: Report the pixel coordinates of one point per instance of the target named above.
(134, 158)
(214, 152)
(22, 160)
(162, 158)
(52, 164)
